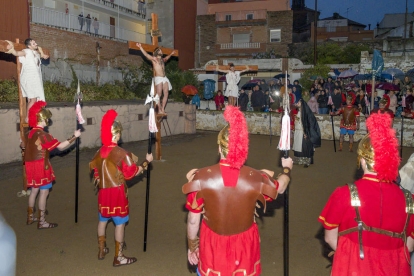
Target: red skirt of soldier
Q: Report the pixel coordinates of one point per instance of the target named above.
(225, 255)
(113, 202)
(36, 174)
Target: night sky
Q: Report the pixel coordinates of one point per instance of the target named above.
(362, 11)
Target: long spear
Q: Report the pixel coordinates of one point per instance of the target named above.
(152, 129)
(402, 126)
(79, 121)
(333, 129)
(284, 145)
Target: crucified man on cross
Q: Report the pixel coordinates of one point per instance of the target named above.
(31, 82)
(162, 84)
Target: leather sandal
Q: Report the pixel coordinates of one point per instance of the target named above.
(119, 259)
(41, 223)
(30, 216)
(103, 250)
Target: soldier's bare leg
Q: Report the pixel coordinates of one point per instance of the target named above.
(341, 141)
(103, 250)
(120, 258)
(165, 99)
(351, 142)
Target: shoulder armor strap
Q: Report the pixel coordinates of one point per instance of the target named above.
(409, 203)
(193, 186)
(355, 202)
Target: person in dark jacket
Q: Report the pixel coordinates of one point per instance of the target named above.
(323, 102)
(330, 85)
(336, 99)
(360, 102)
(243, 100)
(298, 93)
(258, 101)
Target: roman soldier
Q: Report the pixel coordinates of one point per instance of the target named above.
(39, 172)
(113, 165)
(227, 194)
(349, 121)
(384, 105)
(368, 223)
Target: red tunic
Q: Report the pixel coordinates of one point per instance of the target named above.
(354, 123)
(382, 206)
(113, 202)
(37, 175)
(227, 254)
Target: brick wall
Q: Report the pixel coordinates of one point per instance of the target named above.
(257, 33)
(81, 48)
(208, 38)
(280, 20)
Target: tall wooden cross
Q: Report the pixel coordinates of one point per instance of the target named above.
(155, 33)
(22, 100)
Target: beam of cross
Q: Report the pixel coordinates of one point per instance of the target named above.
(155, 33)
(22, 100)
(236, 67)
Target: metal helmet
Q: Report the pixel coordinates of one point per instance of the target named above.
(366, 151)
(116, 128)
(223, 140)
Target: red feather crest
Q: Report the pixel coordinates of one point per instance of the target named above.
(387, 98)
(33, 112)
(107, 121)
(385, 146)
(238, 137)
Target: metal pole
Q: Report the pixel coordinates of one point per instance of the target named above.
(286, 206)
(402, 134)
(77, 175)
(270, 126)
(286, 229)
(315, 37)
(333, 130)
(147, 194)
(405, 25)
(199, 47)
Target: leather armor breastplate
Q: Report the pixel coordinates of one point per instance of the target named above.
(230, 210)
(109, 174)
(34, 150)
(349, 116)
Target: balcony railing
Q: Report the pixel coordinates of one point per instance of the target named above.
(127, 6)
(75, 23)
(241, 15)
(244, 45)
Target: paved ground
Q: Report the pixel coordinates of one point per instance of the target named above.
(71, 249)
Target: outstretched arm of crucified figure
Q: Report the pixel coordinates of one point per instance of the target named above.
(12, 51)
(245, 70)
(222, 71)
(168, 57)
(148, 56)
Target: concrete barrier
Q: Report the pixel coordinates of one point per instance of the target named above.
(133, 116)
(259, 123)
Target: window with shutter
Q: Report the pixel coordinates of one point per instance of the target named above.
(241, 38)
(276, 35)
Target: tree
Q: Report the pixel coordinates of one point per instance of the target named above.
(319, 70)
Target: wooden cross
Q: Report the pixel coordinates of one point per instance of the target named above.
(24, 127)
(236, 67)
(155, 33)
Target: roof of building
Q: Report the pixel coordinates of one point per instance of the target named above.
(336, 16)
(393, 20)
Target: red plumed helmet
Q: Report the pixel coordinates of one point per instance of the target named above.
(234, 138)
(106, 127)
(385, 100)
(385, 146)
(33, 112)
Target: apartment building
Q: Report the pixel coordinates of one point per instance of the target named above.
(242, 29)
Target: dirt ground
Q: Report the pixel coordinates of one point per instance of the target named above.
(71, 249)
